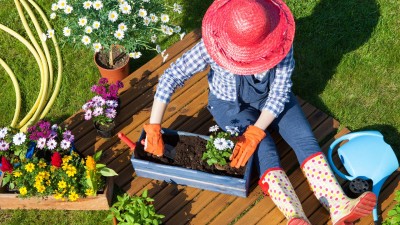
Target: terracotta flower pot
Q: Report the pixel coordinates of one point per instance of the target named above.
(114, 74)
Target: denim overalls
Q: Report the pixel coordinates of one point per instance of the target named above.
(291, 123)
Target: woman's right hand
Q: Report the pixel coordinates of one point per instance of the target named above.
(154, 143)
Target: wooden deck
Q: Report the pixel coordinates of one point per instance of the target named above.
(187, 111)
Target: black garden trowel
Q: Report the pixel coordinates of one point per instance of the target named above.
(169, 150)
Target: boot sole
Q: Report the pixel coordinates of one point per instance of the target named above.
(363, 208)
(298, 221)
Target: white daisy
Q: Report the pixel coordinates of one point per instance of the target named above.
(54, 7)
(232, 130)
(153, 17)
(164, 18)
(65, 144)
(111, 113)
(41, 143)
(125, 8)
(112, 16)
(170, 30)
(88, 29)
(177, 29)
(96, 47)
(142, 13)
(135, 55)
(82, 21)
(68, 9)
(19, 138)
(4, 146)
(54, 127)
(98, 111)
(3, 132)
(164, 28)
(177, 8)
(87, 5)
(230, 144)
(51, 144)
(146, 21)
(98, 100)
(62, 4)
(112, 103)
(119, 34)
(66, 31)
(85, 40)
(97, 5)
(214, 128)
(88, 115)
(96, 25)
(122, 27)
(50, 33)
(153, 38)
(220, 144)
(52, 16)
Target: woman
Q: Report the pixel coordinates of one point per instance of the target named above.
(248, 45)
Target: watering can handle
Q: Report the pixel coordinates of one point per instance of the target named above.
(347, 137)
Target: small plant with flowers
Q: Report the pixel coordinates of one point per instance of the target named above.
(220, 145)
(134, 24)
(14, 146)
(102, 108)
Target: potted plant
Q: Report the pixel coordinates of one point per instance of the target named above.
(103, 107)
(115, 30)
(128, 210)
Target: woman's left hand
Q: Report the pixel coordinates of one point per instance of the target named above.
(246, 145)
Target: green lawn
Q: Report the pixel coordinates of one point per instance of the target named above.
(347, 64)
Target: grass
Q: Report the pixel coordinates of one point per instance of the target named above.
(347, 64)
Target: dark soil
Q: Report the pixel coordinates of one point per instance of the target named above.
(120, 58)
(189, 151)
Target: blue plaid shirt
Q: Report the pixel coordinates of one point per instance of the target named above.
(222, 83)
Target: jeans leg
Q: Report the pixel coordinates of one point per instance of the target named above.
(296, 131)
(266, 155)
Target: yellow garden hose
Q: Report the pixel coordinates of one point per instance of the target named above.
(17, 93)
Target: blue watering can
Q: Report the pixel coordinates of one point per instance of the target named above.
(366, 156)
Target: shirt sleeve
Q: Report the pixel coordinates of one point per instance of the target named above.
(190, 63)
(281, 86)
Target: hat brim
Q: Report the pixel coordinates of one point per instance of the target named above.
(257, 58)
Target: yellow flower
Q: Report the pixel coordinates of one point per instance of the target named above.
(42, 164)
(48, 182)
(71, 171)
(23, 191)
(17, 174)
(58, 195)
(52, 169)
(73, 196)
(66, 159)
(62, 184)
(89, 192)
(30, 167)
(90, 163)
(41, 188)
(65, 166)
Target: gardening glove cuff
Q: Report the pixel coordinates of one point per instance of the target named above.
(246, 145)
(154, 143)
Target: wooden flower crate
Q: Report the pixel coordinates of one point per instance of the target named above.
(100, 202)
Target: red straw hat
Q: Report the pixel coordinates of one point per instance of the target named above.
(248, 36)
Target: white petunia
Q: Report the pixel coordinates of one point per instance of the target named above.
(66, 31)
(97, 5)
(68, 9)
(52, 16)
(119, 34)
(19, 138)
(51, 144)
(50, 33)
(177, 8)
(82, 21)
(65, 144)
(88, 29)
(153, 18)
(87, 5)
(214, 128)
(112, 16)
(142, 13)
(135, 55)
(41, 143)
(96, 25)
(96, 47)
(146, 21)
(220, 144)
(85, 40)
(3, 132)
(153, 38)
(122, 27)
(125, 8)
(62, 4)
(164, 18)
(54, 7)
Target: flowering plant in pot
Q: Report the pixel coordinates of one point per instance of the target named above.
(116, 30)
(13, 147)
(220, 146)
(103, 107)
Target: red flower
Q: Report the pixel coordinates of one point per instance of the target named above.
(5, 165)
(56, 159)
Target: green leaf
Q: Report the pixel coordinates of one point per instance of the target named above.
(97, 156)
(107, 172)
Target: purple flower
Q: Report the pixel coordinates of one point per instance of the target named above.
(111, 113)
(4, 146)
(120, 84)
(98, 111)
(53, 134)
(112, 103)
(88, 115)
(44, 125)
(65, 144)
(31, 129)
(33, 136)
(93, 88)
(41, 143)
(67, 135)
(100, 90)
(51, 144)
(103, 81)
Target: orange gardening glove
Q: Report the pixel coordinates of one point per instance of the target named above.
(154, 143)
(246, 145)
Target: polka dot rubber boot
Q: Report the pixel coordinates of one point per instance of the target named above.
(343, 210)
(277, 185)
